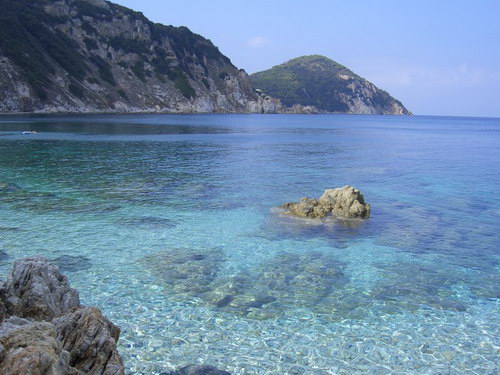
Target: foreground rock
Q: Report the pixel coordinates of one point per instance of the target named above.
(45, 330)
(346, 202)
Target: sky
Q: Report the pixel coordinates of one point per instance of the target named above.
(439, 57)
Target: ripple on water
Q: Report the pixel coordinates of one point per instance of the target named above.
(412, 290)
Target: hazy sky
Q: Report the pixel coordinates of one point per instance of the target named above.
(439, 57)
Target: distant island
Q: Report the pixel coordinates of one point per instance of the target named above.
(96, 56)
(321, 82)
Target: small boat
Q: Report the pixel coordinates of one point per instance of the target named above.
(29, 132)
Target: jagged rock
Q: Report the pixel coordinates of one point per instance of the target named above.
(3, 255)
(306, 207)
(91, 339)
(72, 341)
(38, 290)
(345, 202)
(300, 279)
(31, 348)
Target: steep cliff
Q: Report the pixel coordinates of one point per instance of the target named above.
(96, 56)
(323, 83)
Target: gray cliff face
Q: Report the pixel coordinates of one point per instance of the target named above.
(96, 56)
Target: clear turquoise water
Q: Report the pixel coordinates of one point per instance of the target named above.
(173, 224)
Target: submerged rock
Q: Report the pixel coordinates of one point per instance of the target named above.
(413, 287)
(200, 370)
(8, 187)
(346, 202)
(186, 270)
(91, 340)
(70, 263)
(71, 341)
(147, 222)
(301, 279)
(287, 280)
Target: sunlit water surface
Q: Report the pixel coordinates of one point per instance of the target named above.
(168, 224)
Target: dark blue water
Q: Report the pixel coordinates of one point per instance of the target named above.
(169, 225)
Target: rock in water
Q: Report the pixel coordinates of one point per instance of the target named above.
(185, 270)
(70, 263)
(346, 202)
(306, 207)
(72, 340)
(38, 290)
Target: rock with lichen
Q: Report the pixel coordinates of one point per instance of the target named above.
(345, 202)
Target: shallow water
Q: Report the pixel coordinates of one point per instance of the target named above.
(167, 223)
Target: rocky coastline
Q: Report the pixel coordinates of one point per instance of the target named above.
(45, 330)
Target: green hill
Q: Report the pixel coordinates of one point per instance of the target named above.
(321, 82)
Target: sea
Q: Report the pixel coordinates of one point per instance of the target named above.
(171, 225)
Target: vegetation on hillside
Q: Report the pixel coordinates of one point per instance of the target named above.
(313, 80)
(41, 45)
(29, 41)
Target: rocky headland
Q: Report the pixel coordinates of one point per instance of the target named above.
(319, 82)
(345, 202)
